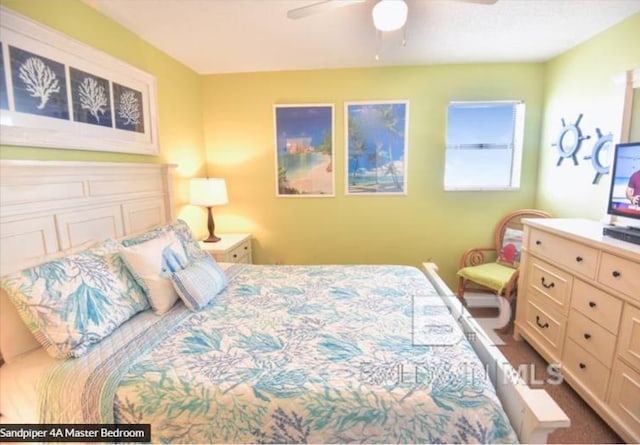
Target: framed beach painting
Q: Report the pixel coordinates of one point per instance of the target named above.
(304, 150)
(376, 140)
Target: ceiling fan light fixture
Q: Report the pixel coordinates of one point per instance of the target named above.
(389, 15)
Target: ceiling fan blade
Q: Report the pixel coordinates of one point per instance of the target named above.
(480, 2)
(319, 7)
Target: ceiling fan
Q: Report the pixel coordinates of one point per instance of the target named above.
(388, 15)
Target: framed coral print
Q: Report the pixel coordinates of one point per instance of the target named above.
(58, 92)
(376, 141)
(304, 150)
(90, 98)
(39, 85)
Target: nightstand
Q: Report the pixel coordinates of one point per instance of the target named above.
(232, 248)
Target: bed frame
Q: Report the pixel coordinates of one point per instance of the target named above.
(532, 412)
(50, 206)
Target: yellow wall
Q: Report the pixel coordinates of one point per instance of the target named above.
(179, 88)
(428, 223)
(582, 81)
(237, 140)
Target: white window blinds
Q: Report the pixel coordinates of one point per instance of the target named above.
(484, 145)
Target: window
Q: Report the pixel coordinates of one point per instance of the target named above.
(484, 145)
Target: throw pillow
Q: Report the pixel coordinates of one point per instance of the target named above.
(509, 254)
(73, 302)
(199, 283)
(152, 263)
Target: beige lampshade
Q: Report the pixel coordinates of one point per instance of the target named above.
(208, 192)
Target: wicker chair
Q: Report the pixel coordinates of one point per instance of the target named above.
(495, 269)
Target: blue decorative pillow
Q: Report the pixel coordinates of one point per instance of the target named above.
(199, 283)
(190, 244)
(146, 236)
(75, 301)
(182, 231)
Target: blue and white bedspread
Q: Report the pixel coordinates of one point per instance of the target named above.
(317, 354)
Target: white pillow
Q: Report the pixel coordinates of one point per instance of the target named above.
(152, 263)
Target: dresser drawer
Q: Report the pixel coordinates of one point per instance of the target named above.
(592, 337)
(620, 274)
(624, 399)
(241, 254)
(546, 325)
(550, 284)
(629, 338)
(577, 257)
(599, 306)
(585, 368)
(597, 341)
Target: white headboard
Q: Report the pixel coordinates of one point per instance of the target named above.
(49, 206)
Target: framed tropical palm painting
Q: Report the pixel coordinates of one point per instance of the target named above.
(304, 150)
(376, 141)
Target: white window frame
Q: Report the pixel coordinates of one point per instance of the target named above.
(517, 146)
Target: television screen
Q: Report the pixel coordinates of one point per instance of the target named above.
(624, 197)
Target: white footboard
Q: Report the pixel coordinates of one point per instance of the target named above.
(532, 412)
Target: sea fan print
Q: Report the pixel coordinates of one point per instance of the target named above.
(129, 109)
(39, 80)
(93, 97)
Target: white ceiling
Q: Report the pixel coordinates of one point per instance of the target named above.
(222, 36)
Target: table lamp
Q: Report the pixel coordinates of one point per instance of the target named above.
(209, 192)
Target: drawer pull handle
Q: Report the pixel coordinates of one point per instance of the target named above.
(592, 304)
(587, 336)
(579, 259)
(235, 255)
(582, 366)
(542, 326)
(616, 274)
(246, 247)
(548, 286)
(538, 242)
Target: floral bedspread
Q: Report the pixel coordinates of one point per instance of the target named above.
(315, 354)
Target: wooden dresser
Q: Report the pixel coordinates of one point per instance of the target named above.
(579, 306)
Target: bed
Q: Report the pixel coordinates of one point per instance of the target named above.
(284, 354)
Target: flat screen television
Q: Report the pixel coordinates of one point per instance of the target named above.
(624, 194)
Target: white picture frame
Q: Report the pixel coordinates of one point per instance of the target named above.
(58, 92)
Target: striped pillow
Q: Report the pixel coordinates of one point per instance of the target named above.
(199, 283)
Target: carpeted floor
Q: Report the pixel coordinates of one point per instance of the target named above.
(586, 425)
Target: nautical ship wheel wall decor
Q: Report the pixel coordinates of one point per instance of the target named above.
(569, 140)
(600, 155)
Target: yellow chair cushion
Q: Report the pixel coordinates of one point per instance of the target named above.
(492, 275)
